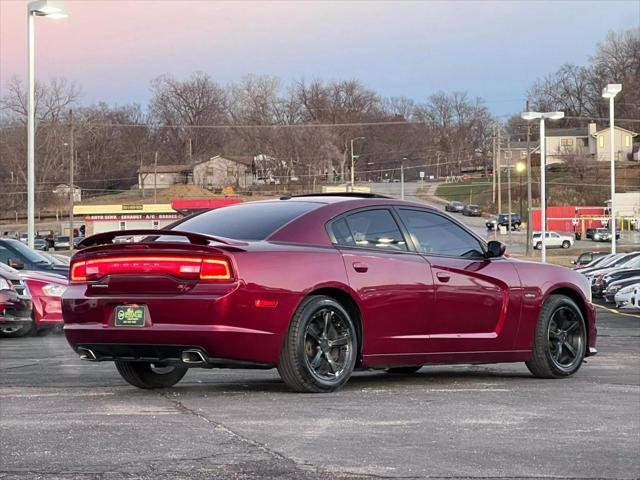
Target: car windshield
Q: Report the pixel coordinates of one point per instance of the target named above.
(63, 239)
(31, 255)
(632, 263)
(622, 260)
(246, 221)
(596, 261)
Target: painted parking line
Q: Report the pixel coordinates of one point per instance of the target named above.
(615, 310)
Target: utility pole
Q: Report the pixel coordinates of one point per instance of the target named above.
(526, 109)
(155, 178)
(190, 151)
(498, 168)
(71, 190)
(493, 179)
(141, 178)
(437, 165)
(508, 154)
(353, 173)
(402, 180)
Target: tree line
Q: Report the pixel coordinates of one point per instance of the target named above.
(305, 128)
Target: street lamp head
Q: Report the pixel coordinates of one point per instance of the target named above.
(528, 116)
(48, 8)
(611, 90)
(554, 115)
(520, 167)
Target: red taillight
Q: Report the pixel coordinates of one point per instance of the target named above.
(78, 272)
(187, 268)
(215, 269)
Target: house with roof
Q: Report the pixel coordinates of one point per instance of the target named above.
(163, 176)
(219, 172)
(212, 173)
(516, 151)
(588, 141)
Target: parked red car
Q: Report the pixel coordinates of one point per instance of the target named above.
(318, 286)
(46, 291)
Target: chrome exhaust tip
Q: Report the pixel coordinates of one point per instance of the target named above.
(86, 354)
(193, 357)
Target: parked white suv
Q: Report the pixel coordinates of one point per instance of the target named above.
(552, 240)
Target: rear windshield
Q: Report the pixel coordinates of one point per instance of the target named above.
(247, 221)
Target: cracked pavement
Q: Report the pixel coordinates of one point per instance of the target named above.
(63, 418)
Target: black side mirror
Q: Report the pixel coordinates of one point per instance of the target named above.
(17, 264)
(495, 249)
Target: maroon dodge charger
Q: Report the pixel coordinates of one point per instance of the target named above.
(318, 286)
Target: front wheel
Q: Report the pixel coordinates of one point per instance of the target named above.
(560, 340)
(150, 375)
(566, 244)
(320, 349)
(539, 246)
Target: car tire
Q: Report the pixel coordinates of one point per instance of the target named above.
(566, 244)
(539, 246)
(144, 375)
(560, 340)
(310, 362)
(403, 370)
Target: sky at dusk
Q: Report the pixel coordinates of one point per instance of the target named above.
(492, 49)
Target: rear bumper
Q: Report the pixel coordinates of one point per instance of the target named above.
(179, 355)
(224, 326)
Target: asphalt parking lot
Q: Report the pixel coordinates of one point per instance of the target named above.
(63, 418)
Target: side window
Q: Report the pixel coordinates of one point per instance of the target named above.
(373, 229)
(4, 255)
(434, 234)
(342, 233)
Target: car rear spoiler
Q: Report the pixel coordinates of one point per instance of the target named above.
(194, 238)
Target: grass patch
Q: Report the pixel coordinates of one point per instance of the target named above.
(473, 190)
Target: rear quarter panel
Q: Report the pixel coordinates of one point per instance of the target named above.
(286, 274)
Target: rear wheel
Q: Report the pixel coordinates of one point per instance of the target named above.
(566, 244)
(319, 352)
(560, 340)
(404, 370)
(150, 375)
(539, 246)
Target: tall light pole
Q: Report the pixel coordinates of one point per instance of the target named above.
(610, 92)
(353, 162)
(520, 168)
(542, 116)
(39, 8)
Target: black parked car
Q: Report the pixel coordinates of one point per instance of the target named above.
(19, 256)
(502, 220)
(614, 276)
(454, 206)
(588, 257)
(472, 210)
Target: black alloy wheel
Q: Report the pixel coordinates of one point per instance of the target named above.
(560, 342)
(320, 350)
